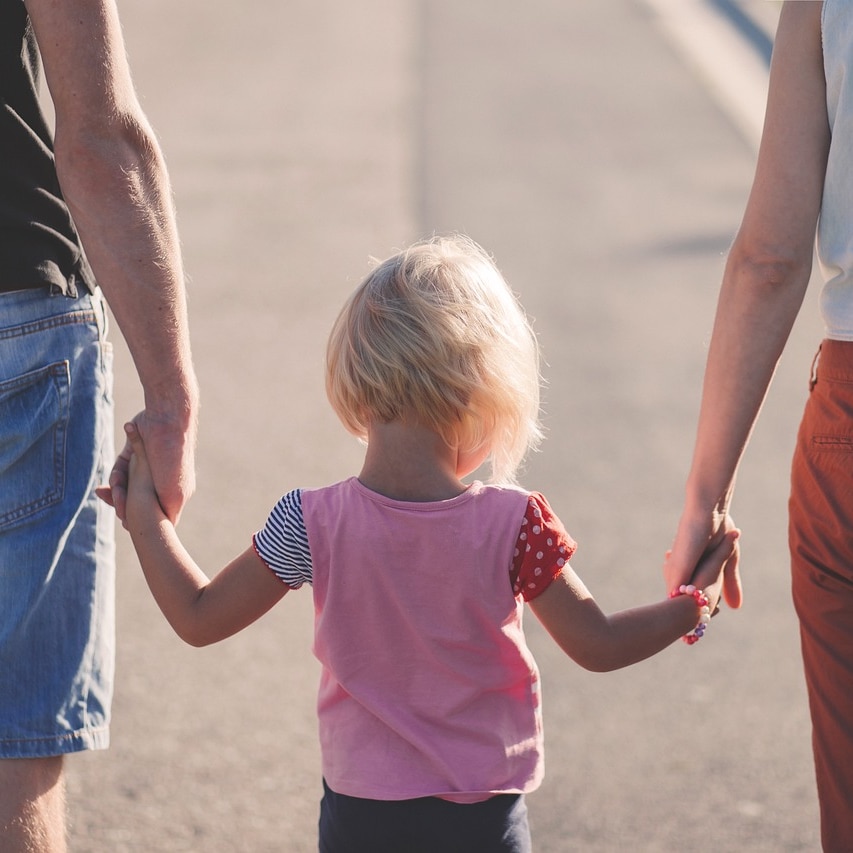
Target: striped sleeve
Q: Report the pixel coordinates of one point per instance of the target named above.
(282, 543)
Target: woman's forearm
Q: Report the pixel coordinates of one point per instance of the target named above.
(759, 301)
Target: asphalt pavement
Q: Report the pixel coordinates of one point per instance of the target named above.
(577, 145)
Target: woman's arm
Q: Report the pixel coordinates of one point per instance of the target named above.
(763, 286)
(200, 610)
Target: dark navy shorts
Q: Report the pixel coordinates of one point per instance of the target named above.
(424, 825)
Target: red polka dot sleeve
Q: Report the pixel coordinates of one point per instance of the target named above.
(542, 549)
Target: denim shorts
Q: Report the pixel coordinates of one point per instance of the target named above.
(57, 549)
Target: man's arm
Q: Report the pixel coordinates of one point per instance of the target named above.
(115, 182)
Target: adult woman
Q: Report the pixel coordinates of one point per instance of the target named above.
(804, 175)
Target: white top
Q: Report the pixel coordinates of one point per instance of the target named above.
(835, 229)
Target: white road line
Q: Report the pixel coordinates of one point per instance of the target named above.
(731, 69)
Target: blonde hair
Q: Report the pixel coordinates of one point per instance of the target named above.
(434, 334)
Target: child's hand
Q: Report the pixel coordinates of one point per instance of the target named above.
(709, 572)
(142, 500)
(693, 540)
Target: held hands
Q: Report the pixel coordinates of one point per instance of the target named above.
(707, 584)
(139, 499)
(695, 545)
(171, 465)
(710, 574)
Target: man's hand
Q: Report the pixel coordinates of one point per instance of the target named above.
(170, 450)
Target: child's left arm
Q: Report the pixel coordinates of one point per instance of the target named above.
(201, 611)
(601, 642)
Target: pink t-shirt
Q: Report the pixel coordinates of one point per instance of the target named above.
(427, 687)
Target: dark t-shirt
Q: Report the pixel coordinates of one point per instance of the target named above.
(39, 245)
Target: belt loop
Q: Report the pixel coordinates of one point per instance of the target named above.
(71, 286)
(813, 377)
(101, 316)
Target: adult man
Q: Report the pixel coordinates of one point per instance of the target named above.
(101, 186)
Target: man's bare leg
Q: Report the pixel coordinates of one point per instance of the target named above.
(32, 805)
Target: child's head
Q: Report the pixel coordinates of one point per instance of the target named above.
(434, 336)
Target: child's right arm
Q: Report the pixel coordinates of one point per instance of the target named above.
(601, 642)
(201, 611)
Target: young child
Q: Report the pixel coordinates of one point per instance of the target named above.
(429, 709)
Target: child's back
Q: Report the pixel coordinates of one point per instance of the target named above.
(428, 688)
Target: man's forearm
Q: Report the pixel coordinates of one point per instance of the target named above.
(118, 191)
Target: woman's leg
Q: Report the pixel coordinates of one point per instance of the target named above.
(821, 541)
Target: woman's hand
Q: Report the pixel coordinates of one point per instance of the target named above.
(693, 545)
(711, 571)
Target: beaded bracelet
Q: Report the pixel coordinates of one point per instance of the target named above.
(704, 604)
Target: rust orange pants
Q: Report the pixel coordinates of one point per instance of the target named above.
(821, 542)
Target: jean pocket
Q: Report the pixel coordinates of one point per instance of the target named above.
(34, 410)
(833, 443)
